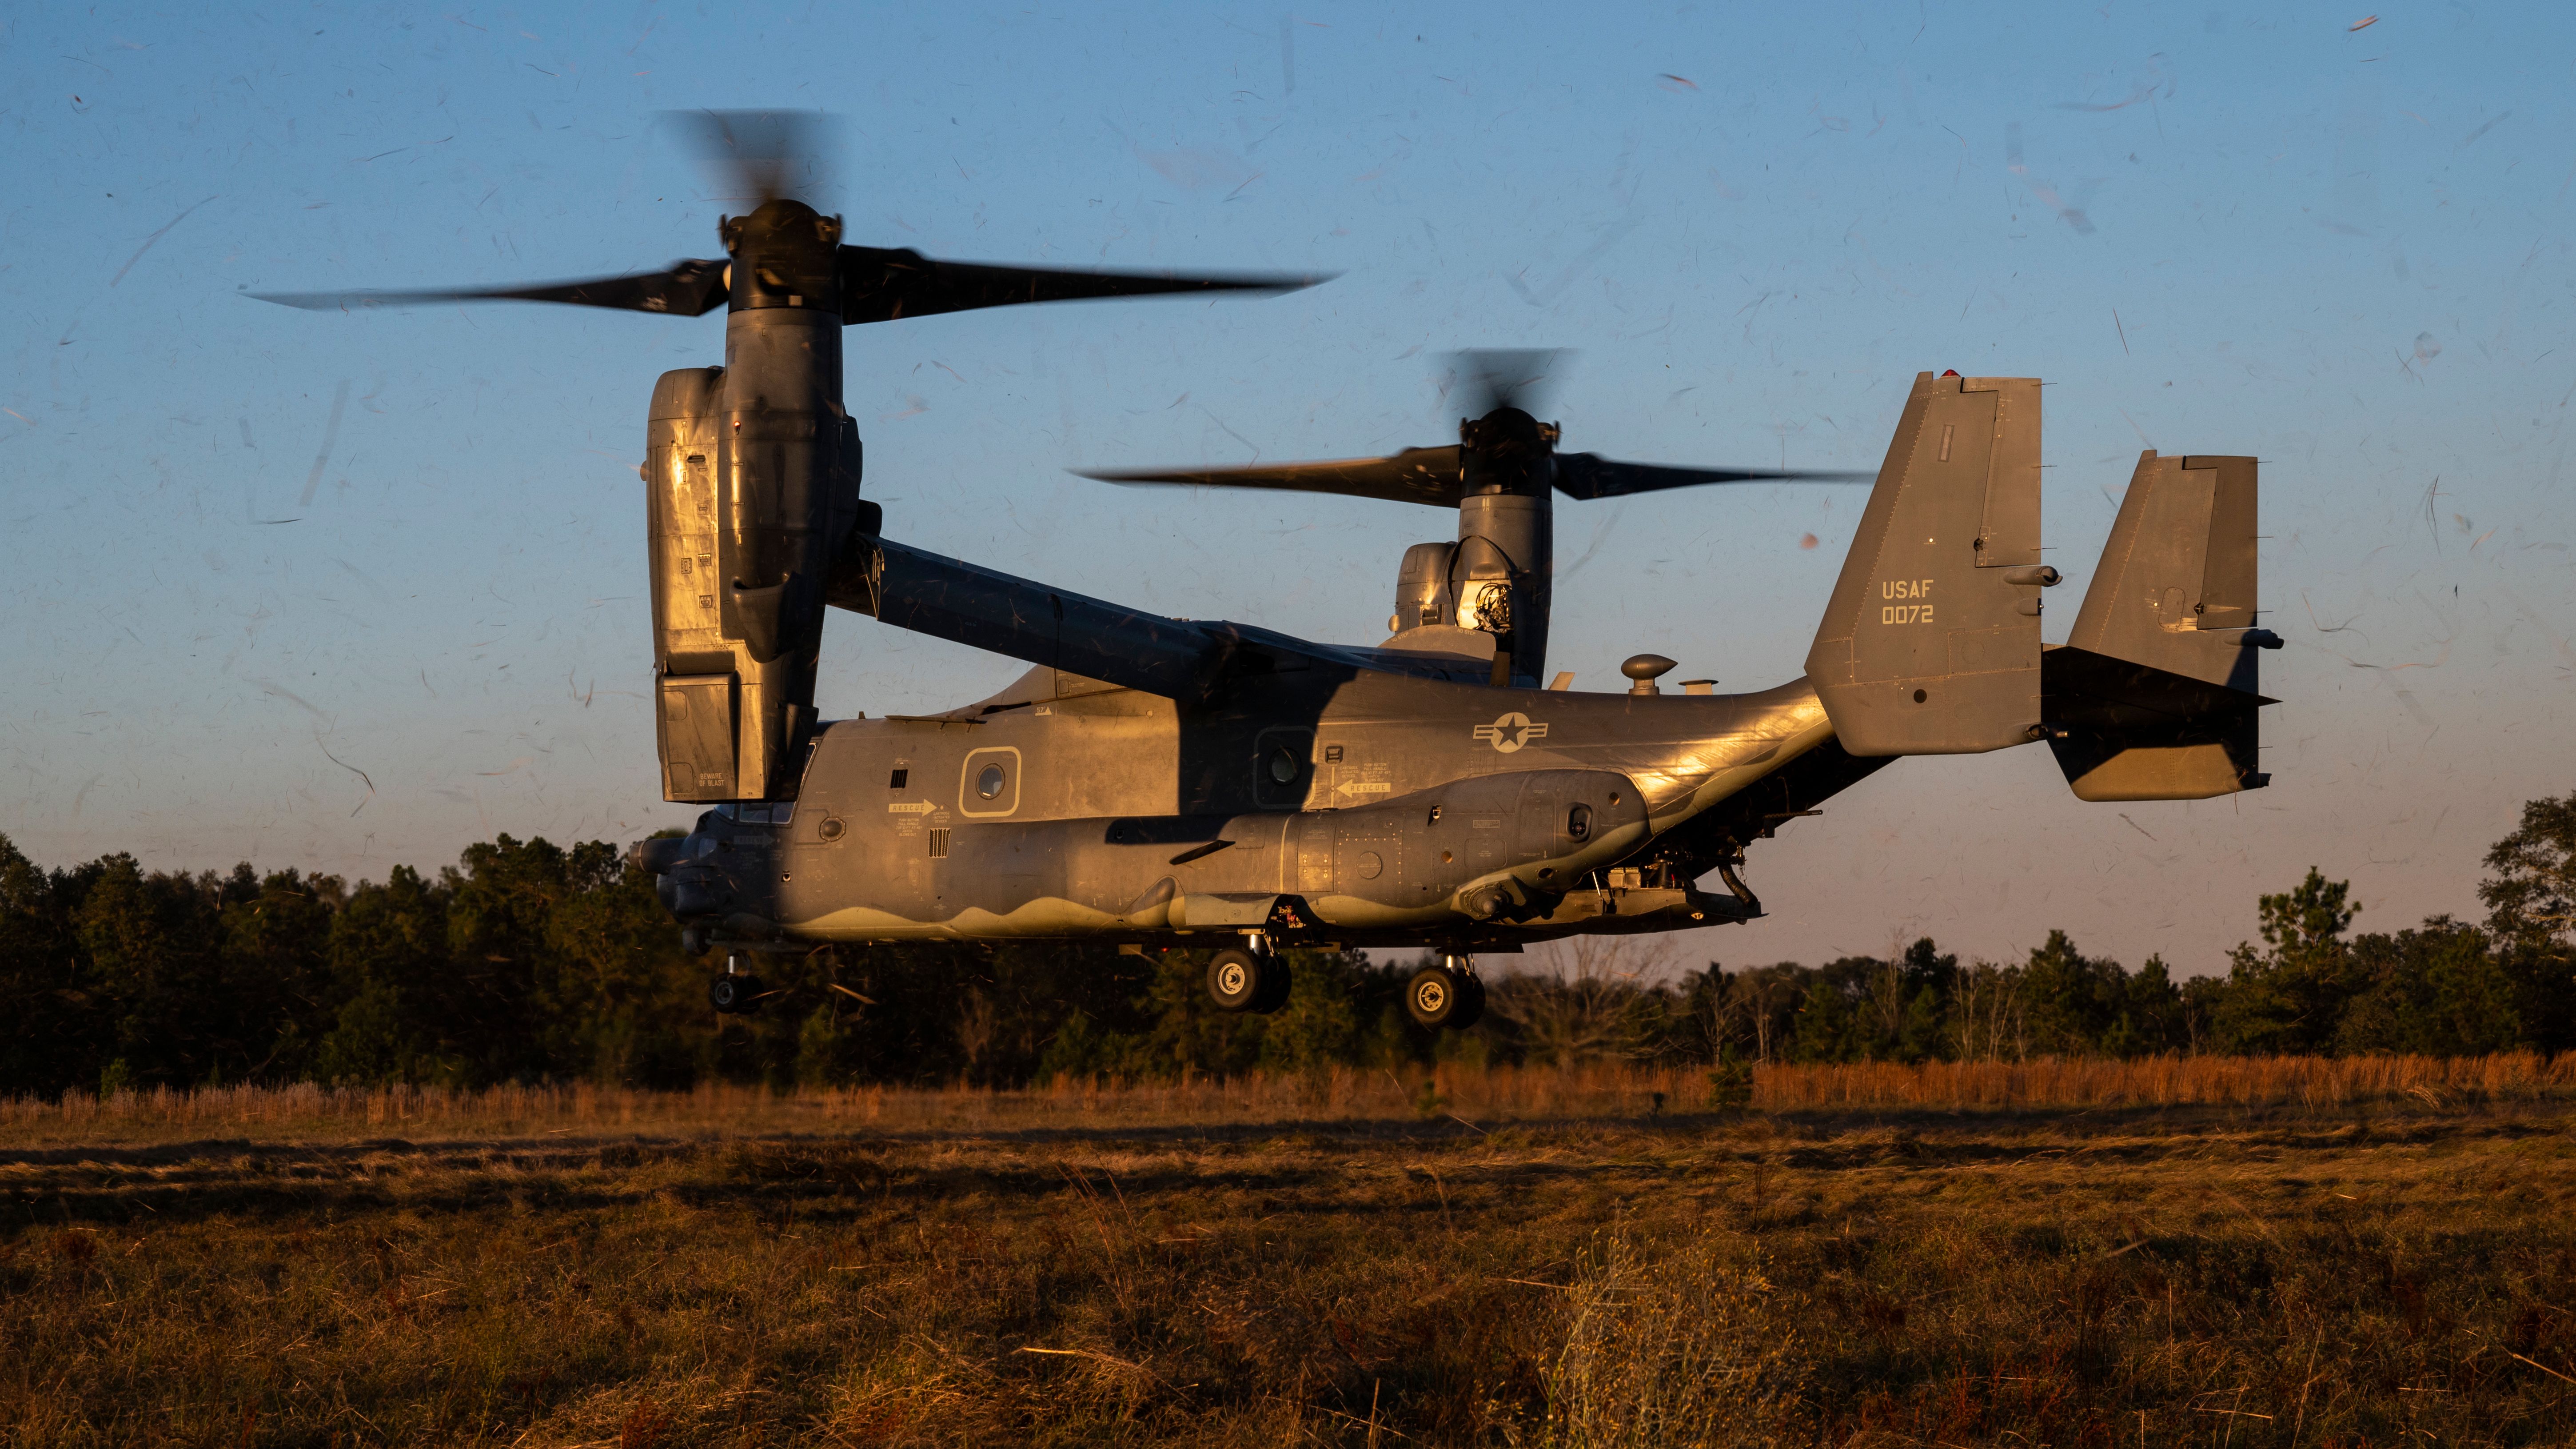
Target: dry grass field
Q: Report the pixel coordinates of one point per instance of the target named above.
(2205, 1253)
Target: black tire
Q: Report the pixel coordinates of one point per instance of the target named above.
(736, 995)
(1433, 997)
(1235, 979)
(1471, 1003)
(1275, 980)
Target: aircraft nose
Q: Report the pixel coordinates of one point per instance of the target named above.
(659, 855)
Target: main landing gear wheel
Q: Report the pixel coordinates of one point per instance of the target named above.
(1448, 996)
(1240, 980)
(1471, 1002)
(736, 995)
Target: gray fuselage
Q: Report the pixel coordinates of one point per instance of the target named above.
(1368, 809)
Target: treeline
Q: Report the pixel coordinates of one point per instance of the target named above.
(526, 961)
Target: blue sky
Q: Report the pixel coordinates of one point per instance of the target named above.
(2211, 229)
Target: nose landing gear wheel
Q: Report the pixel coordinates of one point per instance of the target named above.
(735, 995)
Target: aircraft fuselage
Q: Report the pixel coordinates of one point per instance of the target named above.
(1376, 809)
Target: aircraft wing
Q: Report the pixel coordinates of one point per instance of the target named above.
(1183, 659)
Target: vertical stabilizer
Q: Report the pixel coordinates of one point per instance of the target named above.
(2175, 588)
(1931, 643)
(2155, 695)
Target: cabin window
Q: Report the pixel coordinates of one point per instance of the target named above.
(1578, 824)
(1283, 765)
(989, 784)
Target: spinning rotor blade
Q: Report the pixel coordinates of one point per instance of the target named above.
(880, 284)
(685, 289)
(1483, 379)
(1588, 475)
(1435, 476)
(759, 156)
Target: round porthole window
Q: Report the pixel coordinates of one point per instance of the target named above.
(830, 829)
(989, 784)
(1283, 764)
(1578, 823)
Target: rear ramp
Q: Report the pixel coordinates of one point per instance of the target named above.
(1931, 643)
(2154, 695)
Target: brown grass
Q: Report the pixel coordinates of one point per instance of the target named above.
(1485, 1096)
(2246, 1254)
(2206, 1275)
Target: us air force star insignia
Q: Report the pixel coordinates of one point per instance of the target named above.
(1510, 732)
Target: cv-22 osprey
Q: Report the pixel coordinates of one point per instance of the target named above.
(1162, 782)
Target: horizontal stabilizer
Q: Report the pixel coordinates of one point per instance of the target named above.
(2155, 695)
(2126, 731)
(1931, 643)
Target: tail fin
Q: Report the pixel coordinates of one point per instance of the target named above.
(1931, 643)
(2154, 695)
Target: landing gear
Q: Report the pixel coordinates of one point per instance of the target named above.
(1241, 980)
(1449, 995)
(736, 992)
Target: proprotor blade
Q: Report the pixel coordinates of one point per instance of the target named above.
(880, 284)
(1588, 475)
(684, 289)
(1436, 476)
(1483, 379)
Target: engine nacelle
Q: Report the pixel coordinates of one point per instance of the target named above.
(1422, 590)
(741, 532)
(1492, 582)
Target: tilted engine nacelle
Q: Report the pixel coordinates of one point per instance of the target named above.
(1478, 586)
(1494, 581)
(747, 498)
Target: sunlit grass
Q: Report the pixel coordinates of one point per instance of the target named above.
(1339, 1094)
(2329, 1255)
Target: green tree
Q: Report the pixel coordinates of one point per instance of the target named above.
(2071, 1001)
(615, 999)
(151, 946)
(2531, 905)
(1832, 1024)
(388, 952)
(2289, 998)
(276, 947)
(1320, 1024)
(2433, 991)
(2150, 1015)
(58, 1036)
